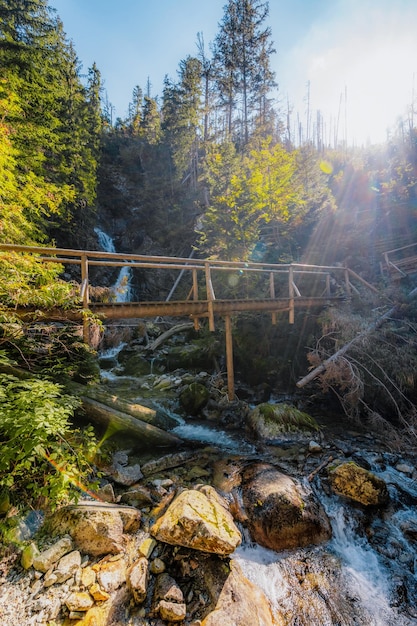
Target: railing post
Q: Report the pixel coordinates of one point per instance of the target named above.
(195, 297)
(210, 297)
(291, 294)
(272, 293)
(85, 297)
(347, 282)
(328, 285)
(229, 359)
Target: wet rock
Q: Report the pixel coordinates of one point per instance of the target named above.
(237, 601)
(138, 497)
(97, 529)
(282, 512)
(270, 421)
(168, 599)
(314, 447)
(43, 561)
(358, 484)
(137, 579)
(157, 566)
(404, 468)
(196, 521)
(409, 528)
(227, 474)
(194, 397)
(168, 461)
(121, 472)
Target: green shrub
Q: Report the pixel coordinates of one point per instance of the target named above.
(44, 460)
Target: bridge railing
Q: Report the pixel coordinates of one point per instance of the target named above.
(399, 262)
(289, 281)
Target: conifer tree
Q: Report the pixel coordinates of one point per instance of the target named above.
(243, 76)
(181, 112)
(151, 121)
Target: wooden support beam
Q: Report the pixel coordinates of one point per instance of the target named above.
(195, 297)
(210, 297)
(272, 294)
(347, 283)
(85, 297)
(291, 294)
(229, 358)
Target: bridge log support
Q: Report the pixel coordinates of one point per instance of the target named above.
(210, 297)
(85, 297)
(229, 359)
(291, 294)
(272, 294)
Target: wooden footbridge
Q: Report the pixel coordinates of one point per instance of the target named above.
(217, 289)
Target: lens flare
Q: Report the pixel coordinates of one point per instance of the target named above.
(326, 167)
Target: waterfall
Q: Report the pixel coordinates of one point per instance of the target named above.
(343, 582)
(122, 288)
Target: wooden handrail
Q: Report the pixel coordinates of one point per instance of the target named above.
(90, 258)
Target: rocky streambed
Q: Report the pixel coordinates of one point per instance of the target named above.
(310, 526)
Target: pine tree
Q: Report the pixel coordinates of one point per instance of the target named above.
(135, 111)
(151, 121)
(242, 52)
(181, 111)
(55, 139)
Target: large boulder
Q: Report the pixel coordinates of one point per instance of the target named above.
(276, 421)
(200, 521)
(194, 397)
(282, 512)
(96, 529)
(358, 484)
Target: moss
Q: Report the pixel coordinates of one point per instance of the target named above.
(287, 417)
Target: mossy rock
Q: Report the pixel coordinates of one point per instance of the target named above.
(192, 356)
(269, 421)
(134, 364)
(194, 397)
(358, 484)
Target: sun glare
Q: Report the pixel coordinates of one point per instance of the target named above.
(359, 65)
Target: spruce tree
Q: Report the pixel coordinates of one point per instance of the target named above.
(243, 75)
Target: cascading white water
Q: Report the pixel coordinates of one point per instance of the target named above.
(343, 582)
(122, 288)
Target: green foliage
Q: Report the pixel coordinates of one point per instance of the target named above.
(26, 281)
(49, 126)
(44, 460)
(247, 192)
(56, 348)
(242, 73)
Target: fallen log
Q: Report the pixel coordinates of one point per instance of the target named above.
(179, 328)
(113, 401)
(322, 367)
(95, 392)
(144, 434)
(116, 420)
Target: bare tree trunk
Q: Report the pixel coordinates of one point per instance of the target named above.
(322, 367)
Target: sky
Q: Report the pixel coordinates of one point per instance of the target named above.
(354, 60)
